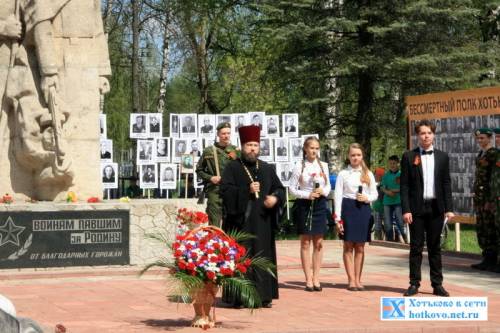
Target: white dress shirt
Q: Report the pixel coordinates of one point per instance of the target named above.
(347, 184)
(310, 175)
(428, 173)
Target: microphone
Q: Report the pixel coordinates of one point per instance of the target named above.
(360, 190)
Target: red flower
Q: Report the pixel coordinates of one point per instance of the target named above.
(416, 160)
(178, 253)
(211, 275)
(241, 268)
(181, 264)
(247, 262)
(498, 164)
(214, 259)
(93, 200)
(242, 251)
(313, 175)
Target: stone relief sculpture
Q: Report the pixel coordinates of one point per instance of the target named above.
(54, 66)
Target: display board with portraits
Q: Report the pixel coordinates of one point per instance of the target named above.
(106, 150)
(168, 176)
(456, 124)
(148, 175)
(103, 126)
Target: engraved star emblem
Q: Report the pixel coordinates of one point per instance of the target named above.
(9, 232)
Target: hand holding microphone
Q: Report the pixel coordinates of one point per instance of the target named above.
(314, 194)
(255, 187)
(360, 197)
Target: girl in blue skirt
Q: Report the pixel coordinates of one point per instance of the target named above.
(355, 188)
(310, 184)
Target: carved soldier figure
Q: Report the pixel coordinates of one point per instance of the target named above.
(60, 71)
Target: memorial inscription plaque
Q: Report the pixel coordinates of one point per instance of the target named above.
(72, 238)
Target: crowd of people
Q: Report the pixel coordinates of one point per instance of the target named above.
(411, 200)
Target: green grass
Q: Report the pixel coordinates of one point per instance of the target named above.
(468, 239)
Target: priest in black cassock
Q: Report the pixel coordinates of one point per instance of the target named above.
(253, 198)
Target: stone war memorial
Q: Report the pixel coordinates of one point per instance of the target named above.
(54, 67)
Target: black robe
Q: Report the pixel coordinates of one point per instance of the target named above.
(243, 212)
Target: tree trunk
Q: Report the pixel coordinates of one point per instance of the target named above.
(136, 103)
(164, 66)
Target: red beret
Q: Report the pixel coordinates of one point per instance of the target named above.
(249, 133)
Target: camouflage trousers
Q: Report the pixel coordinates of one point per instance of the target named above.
(487, 230)
(214, 209)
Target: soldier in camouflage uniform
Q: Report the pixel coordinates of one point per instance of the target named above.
(495, 191)
(483, 205)
(211, 167)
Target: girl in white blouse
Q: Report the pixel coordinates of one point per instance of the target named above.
(355, 188)
(310, 184)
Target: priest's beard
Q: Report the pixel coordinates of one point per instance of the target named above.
(249, 157)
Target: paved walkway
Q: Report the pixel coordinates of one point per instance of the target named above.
(114, 299)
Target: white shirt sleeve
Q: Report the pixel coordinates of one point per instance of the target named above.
(339, 193)
(294, 185)
(372, 190)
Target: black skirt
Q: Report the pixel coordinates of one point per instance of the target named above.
(356, 217)
(317, 224)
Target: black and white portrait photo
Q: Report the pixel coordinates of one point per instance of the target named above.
(109, 173)
(138, 128)
(295, 149)
(155, 124)
(179, 149)
(188, 125)
(106, 150)
(257, 119)
(281, 150)
(162, 150)
(148, 178)
(168, 176)
(103, 126)
(290, 125)
(174, 125)
(207, 125)
(238, 120)
(195, 147)
(222, 118)
(284, 172)
(266, 149)
(272, 126)
(145, 151)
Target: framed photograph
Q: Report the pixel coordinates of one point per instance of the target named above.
(208, 142)
(207, 128)
(138, 128)
(162, 151)
(187, 163)
(188, 125)
(155, 123)
(168, 176)
(145, 151)
(179, 148)
(148, 176)
(295, 149)
(106, 150)
(266, 149)
(273, 126)
(222, 118)
(257, 119)
(281, 151)
(290, 125)
(103, 126)
(174, 125)
(284, 171)
(109, 174)
(238, 120)
(195, 147)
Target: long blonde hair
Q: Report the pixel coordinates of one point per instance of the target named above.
(365, 172)
(304, 146)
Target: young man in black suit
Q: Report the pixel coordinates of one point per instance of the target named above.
(426, 201)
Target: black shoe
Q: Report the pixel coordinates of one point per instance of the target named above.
(267, 305)
(440, 291)
(318, 288)
(309, 289)
(411, 291)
